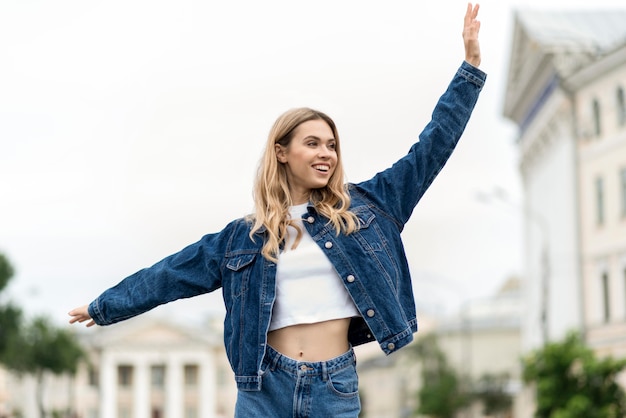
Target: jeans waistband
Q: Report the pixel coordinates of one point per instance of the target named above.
(276, 360)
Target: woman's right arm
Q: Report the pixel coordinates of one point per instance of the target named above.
(193, 271)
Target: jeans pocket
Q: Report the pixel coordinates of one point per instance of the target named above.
(344, 382)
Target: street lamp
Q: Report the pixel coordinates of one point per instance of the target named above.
(536, 218)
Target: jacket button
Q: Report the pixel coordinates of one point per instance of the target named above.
(310, 219)
(350, 278)
(328, 245)
(391, 346)
(370, 313)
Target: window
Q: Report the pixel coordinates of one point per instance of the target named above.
(157, 376)
(124, 412)
(191, 412)
(599, 201)
(157, 413)
(622, 182)
(605, 297)
(597, 126)
(191, 375)
(125, 376)
(621, 107)
(93, 377)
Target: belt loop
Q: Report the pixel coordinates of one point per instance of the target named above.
(324, 372)
(274, 357)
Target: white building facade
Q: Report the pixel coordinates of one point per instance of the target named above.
(145, 367)
(483, 338)
(601, 110)
(565, 76)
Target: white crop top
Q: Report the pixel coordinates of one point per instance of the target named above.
(308, 289)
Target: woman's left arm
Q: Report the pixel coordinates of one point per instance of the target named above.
(398, 189)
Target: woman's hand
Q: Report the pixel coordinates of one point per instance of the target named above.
(471, 28)
(81, 314)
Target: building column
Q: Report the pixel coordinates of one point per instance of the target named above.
(174, 402)
(141, 389)
(208, 386)
(108, 386)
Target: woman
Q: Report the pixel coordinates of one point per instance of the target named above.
(317, 269)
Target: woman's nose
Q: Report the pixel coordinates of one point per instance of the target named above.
(324, 151)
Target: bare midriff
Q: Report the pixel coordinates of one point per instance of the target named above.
(312, 342)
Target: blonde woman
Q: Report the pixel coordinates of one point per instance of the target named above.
(317, 269)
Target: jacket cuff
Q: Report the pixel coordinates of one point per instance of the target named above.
(472, 74)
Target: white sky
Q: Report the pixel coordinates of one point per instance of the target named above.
(128, 129)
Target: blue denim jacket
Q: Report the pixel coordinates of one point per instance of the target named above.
(371, 262)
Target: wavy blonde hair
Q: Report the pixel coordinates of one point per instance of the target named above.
(271, 188)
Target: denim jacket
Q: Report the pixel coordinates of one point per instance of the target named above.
(371, 262)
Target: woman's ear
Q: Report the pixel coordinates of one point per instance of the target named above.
(281, 153)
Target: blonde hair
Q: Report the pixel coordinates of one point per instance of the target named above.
(271, 189)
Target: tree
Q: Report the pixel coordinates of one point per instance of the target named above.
(491, 390)
(6, 272)
(442, 391)
(42, 348)
(36, 347)
(10, 315)
(570, 382)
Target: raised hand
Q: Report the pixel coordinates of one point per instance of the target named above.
(471, 27)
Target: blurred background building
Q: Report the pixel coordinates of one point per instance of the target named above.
(566, 93)
(482, 339)
(147, 367)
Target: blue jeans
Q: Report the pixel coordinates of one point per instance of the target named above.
(301, 389)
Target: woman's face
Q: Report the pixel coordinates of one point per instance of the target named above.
(310, 158)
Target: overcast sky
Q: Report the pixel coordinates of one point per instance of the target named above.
(129, 129)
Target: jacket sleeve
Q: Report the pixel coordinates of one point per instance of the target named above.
(397, 189)
(192, 271)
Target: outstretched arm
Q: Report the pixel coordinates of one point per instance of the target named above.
(471, 28)
(81, 314)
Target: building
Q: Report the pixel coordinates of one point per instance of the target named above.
(565, 92)
(146, 367)
(601, 114)
(5, 399)
(483, 338)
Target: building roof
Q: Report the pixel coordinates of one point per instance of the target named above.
(599, 31)
(551, 46)
(150, 330)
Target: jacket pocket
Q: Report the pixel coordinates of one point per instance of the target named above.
(238, 270)
(367, 235)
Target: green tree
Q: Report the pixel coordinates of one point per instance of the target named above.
(36, 347)
(6, 272)
(492, 392)
(43, 348)
(10, 315)
(442, 392)
(571, 382)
